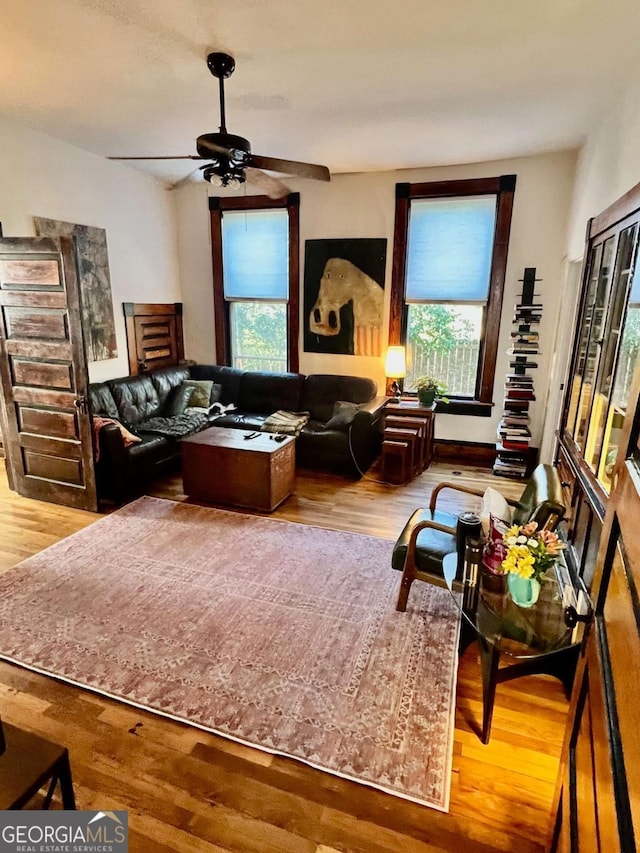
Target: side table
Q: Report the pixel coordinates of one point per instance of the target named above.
(529, 641)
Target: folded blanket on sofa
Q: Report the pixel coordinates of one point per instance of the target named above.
(178, 426)
(289, 423)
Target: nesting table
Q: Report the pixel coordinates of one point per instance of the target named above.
(407, 442)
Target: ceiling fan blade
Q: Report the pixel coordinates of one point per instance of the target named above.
(269, 185)
(165, 157)
(290, 167)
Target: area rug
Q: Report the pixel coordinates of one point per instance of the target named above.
(278, 635)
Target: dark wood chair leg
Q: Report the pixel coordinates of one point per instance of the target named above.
(408, 577)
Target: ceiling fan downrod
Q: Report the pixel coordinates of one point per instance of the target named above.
(222, 66)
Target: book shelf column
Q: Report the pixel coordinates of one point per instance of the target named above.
(514, 437)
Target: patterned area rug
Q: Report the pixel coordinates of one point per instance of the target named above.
(274, 634)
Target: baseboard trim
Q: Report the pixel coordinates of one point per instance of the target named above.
(474, 453)
(465, 452)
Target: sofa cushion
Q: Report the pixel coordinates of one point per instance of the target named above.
(240, 420)
(136, 397)
(178, 426)
(201, 396)
(264, 393)
(321, 390)
(228, 377)
(167, 379)
(178, 400)
(431, 545)
(101, 400)
(343, 415)
(151, 449)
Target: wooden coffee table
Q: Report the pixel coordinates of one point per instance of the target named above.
(221, 465)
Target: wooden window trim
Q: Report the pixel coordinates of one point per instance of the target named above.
(503, 187)
(217, 206)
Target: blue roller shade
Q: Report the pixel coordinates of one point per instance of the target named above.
(255, 254)
(450, 249)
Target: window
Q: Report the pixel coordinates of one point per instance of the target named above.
(254, 243)
(450, 254)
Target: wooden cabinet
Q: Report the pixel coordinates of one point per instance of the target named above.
(601, 388)
(598, 458)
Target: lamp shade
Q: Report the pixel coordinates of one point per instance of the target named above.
(396, 364)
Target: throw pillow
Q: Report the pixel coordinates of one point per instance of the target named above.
(201, 392)
(179, 400)
(494, 504)
(495, 550)
(216, 394)
(343, 414)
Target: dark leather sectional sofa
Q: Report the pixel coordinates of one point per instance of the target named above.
(122, 472)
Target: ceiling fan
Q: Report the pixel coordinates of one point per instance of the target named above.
(230, 161)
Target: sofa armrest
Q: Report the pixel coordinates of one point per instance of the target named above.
(365, 433)
(112, 467)
(374, 407)
(112, 449)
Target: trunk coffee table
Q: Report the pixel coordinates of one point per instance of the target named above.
(224, 466)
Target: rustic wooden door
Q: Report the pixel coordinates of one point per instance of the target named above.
(598, 794)
(46, 423)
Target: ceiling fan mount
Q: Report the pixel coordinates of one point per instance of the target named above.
(230, 157)
(221, 65)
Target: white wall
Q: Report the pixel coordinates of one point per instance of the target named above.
(40, 176)
(608, 166)
(609, 162)
(363, 205)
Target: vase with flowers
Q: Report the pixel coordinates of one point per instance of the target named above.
(529, 553)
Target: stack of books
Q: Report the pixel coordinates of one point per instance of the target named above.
(513, 444)
(518, 387)
(510, 466)
(528, 314)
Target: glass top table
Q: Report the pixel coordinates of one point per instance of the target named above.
(543, 638)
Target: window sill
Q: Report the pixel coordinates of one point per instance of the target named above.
(457, 406)
(467, 408)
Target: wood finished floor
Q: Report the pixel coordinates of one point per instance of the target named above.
(191, 792)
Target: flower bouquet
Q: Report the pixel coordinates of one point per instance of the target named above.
(529, 553)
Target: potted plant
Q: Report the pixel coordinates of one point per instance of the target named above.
(430, 389)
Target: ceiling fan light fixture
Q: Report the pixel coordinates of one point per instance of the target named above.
(226, 174)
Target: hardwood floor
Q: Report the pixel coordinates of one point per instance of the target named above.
(191, 792)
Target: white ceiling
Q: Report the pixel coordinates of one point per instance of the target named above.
(357, 85)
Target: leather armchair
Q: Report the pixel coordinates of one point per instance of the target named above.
(430, 534)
